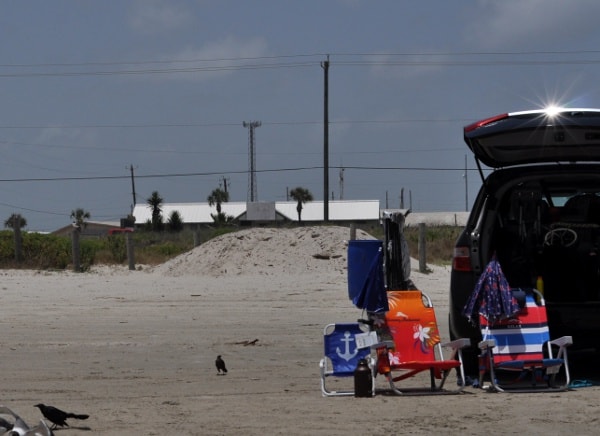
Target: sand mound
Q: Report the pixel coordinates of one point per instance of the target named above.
(267, 251)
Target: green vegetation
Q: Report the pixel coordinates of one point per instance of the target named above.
(42, 251)
(439, 242)
(38, 251)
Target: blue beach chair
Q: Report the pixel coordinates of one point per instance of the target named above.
(341, 357)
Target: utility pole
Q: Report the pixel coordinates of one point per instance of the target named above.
(466, 187)
(252, 190)
(342, 184)
(225, 181)
(402, 198)
(325, 66)
(132, 187)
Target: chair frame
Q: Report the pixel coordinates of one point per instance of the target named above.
(326, 367)
(551, 363)
(439, 368)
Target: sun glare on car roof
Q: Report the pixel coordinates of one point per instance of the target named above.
(552, 110)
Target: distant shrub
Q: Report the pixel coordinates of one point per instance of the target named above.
(44, 251)
(117, 248)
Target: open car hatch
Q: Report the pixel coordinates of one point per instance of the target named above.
(539, 136)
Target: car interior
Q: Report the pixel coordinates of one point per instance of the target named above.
(550, 231)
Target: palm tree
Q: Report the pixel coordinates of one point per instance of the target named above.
(79, 217)
(218, 197)
(175, 221)
(15, 221)
(301, 196)
(155, 202)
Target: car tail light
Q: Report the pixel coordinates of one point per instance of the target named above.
(482, 123)
(461, 260)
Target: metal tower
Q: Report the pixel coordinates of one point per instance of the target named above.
(252, 191)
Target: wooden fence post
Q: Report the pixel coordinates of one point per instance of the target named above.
(75, 247)
(130, 252)
(18, 242)
(422, 248)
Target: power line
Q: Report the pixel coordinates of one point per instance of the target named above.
(450, 63)
(228, 124)
(156, 70)
(303, 55)
(219, 152)
(474, 53)
(150, 62)
(31, 210)
(148, 176)
(212, 173)
(303, 64)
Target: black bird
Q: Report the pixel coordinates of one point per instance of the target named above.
(56, 416)
(220, 363)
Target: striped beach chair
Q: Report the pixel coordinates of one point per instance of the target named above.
(517, 352)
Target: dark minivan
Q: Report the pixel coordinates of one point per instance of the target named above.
(538, 211)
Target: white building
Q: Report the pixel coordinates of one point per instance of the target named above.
(200, 213)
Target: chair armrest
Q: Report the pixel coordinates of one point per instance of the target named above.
(386, 344)
(458, 343)
(563, 341)
(487, 344)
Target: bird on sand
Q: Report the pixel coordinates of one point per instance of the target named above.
(220, 364)
(58, 417)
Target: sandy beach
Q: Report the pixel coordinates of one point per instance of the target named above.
(136, 349)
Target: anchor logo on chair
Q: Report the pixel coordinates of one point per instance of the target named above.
(347, 355)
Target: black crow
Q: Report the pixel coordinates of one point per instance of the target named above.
(220, 363)
(56, 416)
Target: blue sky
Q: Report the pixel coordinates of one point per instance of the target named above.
(90, 89)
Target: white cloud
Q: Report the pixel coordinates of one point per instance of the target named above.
(218, 58)
(62, 137)
(228, 48)
(414, 65)
(517, 22)
(155, 16)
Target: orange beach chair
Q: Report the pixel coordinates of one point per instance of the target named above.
(410, 344)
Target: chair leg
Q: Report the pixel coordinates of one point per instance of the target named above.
(445, 375)
(493, 381)
(390, 379)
